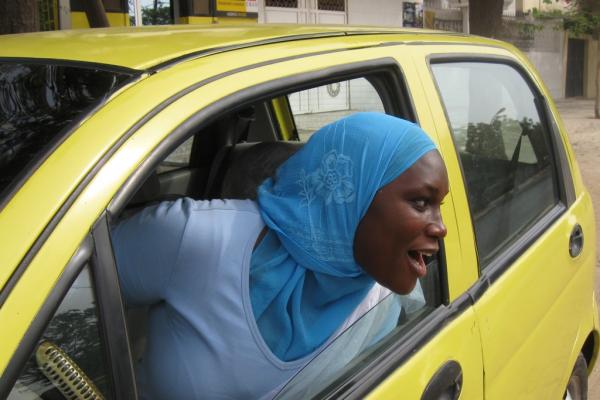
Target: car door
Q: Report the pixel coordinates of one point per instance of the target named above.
(527, 220)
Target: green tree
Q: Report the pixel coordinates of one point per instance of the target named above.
(19, 16)
(583, 18)
(158, 14)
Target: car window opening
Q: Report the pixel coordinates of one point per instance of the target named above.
(232, 156)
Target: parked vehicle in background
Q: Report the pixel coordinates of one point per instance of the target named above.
(96, 124)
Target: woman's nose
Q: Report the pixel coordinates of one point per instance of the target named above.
(436, 227)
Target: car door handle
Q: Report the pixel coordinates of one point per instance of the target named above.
(446, 383)
(576, 241)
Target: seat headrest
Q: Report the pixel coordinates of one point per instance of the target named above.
(251, 163)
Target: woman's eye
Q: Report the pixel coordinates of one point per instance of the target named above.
(420, 204)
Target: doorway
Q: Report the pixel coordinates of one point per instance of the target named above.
(575, 68)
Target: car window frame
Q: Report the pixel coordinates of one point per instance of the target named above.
(110, 319)
(423, 330)
(562, 170)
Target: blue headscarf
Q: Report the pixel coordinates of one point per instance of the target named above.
(304, 280)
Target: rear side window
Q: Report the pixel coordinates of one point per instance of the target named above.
(319, 106)
(38, 102)
(504, 147)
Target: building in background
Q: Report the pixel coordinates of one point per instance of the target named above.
(215, 11)
(566, 64)
(354, 12)
(70, 14)
(447, 15)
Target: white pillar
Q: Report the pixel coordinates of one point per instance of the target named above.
(64, 14)
(137, 12)
(261, 11)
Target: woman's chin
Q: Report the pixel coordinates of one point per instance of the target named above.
(404, 287)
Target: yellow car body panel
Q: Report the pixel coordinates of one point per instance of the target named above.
(287, 127)
(68, 165)
(530, 311)
(27, 222)
(145, 47)
(27, 217)
(410, 381)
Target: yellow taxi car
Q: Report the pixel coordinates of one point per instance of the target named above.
(96, 124)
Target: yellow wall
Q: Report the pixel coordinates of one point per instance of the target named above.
(217, 20)
(236, 20)
(79, 19)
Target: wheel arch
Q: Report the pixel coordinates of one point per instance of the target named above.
(590, 349)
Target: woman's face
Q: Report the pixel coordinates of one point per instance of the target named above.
(403, 224)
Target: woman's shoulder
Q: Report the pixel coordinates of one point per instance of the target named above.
(175, 215)
(189, 205)
(227, 204)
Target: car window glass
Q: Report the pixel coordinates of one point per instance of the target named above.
(383, 325)
(504, 149)
(68, 361)
(179, 158)
(38, 102)
(319, 106)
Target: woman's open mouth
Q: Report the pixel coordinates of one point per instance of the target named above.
(416, 260)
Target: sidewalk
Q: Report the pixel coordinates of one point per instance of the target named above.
(584, 135)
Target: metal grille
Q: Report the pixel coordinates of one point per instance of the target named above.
(450, 25)
(332, 5)
(282, 3)
(48, 15)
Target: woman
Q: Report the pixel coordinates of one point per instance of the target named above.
(243, 295)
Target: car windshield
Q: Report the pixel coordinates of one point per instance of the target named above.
(38, 104)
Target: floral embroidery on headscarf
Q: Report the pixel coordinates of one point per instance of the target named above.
(332, 181)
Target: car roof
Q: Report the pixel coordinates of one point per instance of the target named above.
(151, 46)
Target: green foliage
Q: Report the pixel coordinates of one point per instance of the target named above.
(582, 17)
(538, 14)
(131, 9)
(582, 23)
(159, 15)
(528, 29)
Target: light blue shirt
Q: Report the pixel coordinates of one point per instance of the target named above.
(188, 260)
